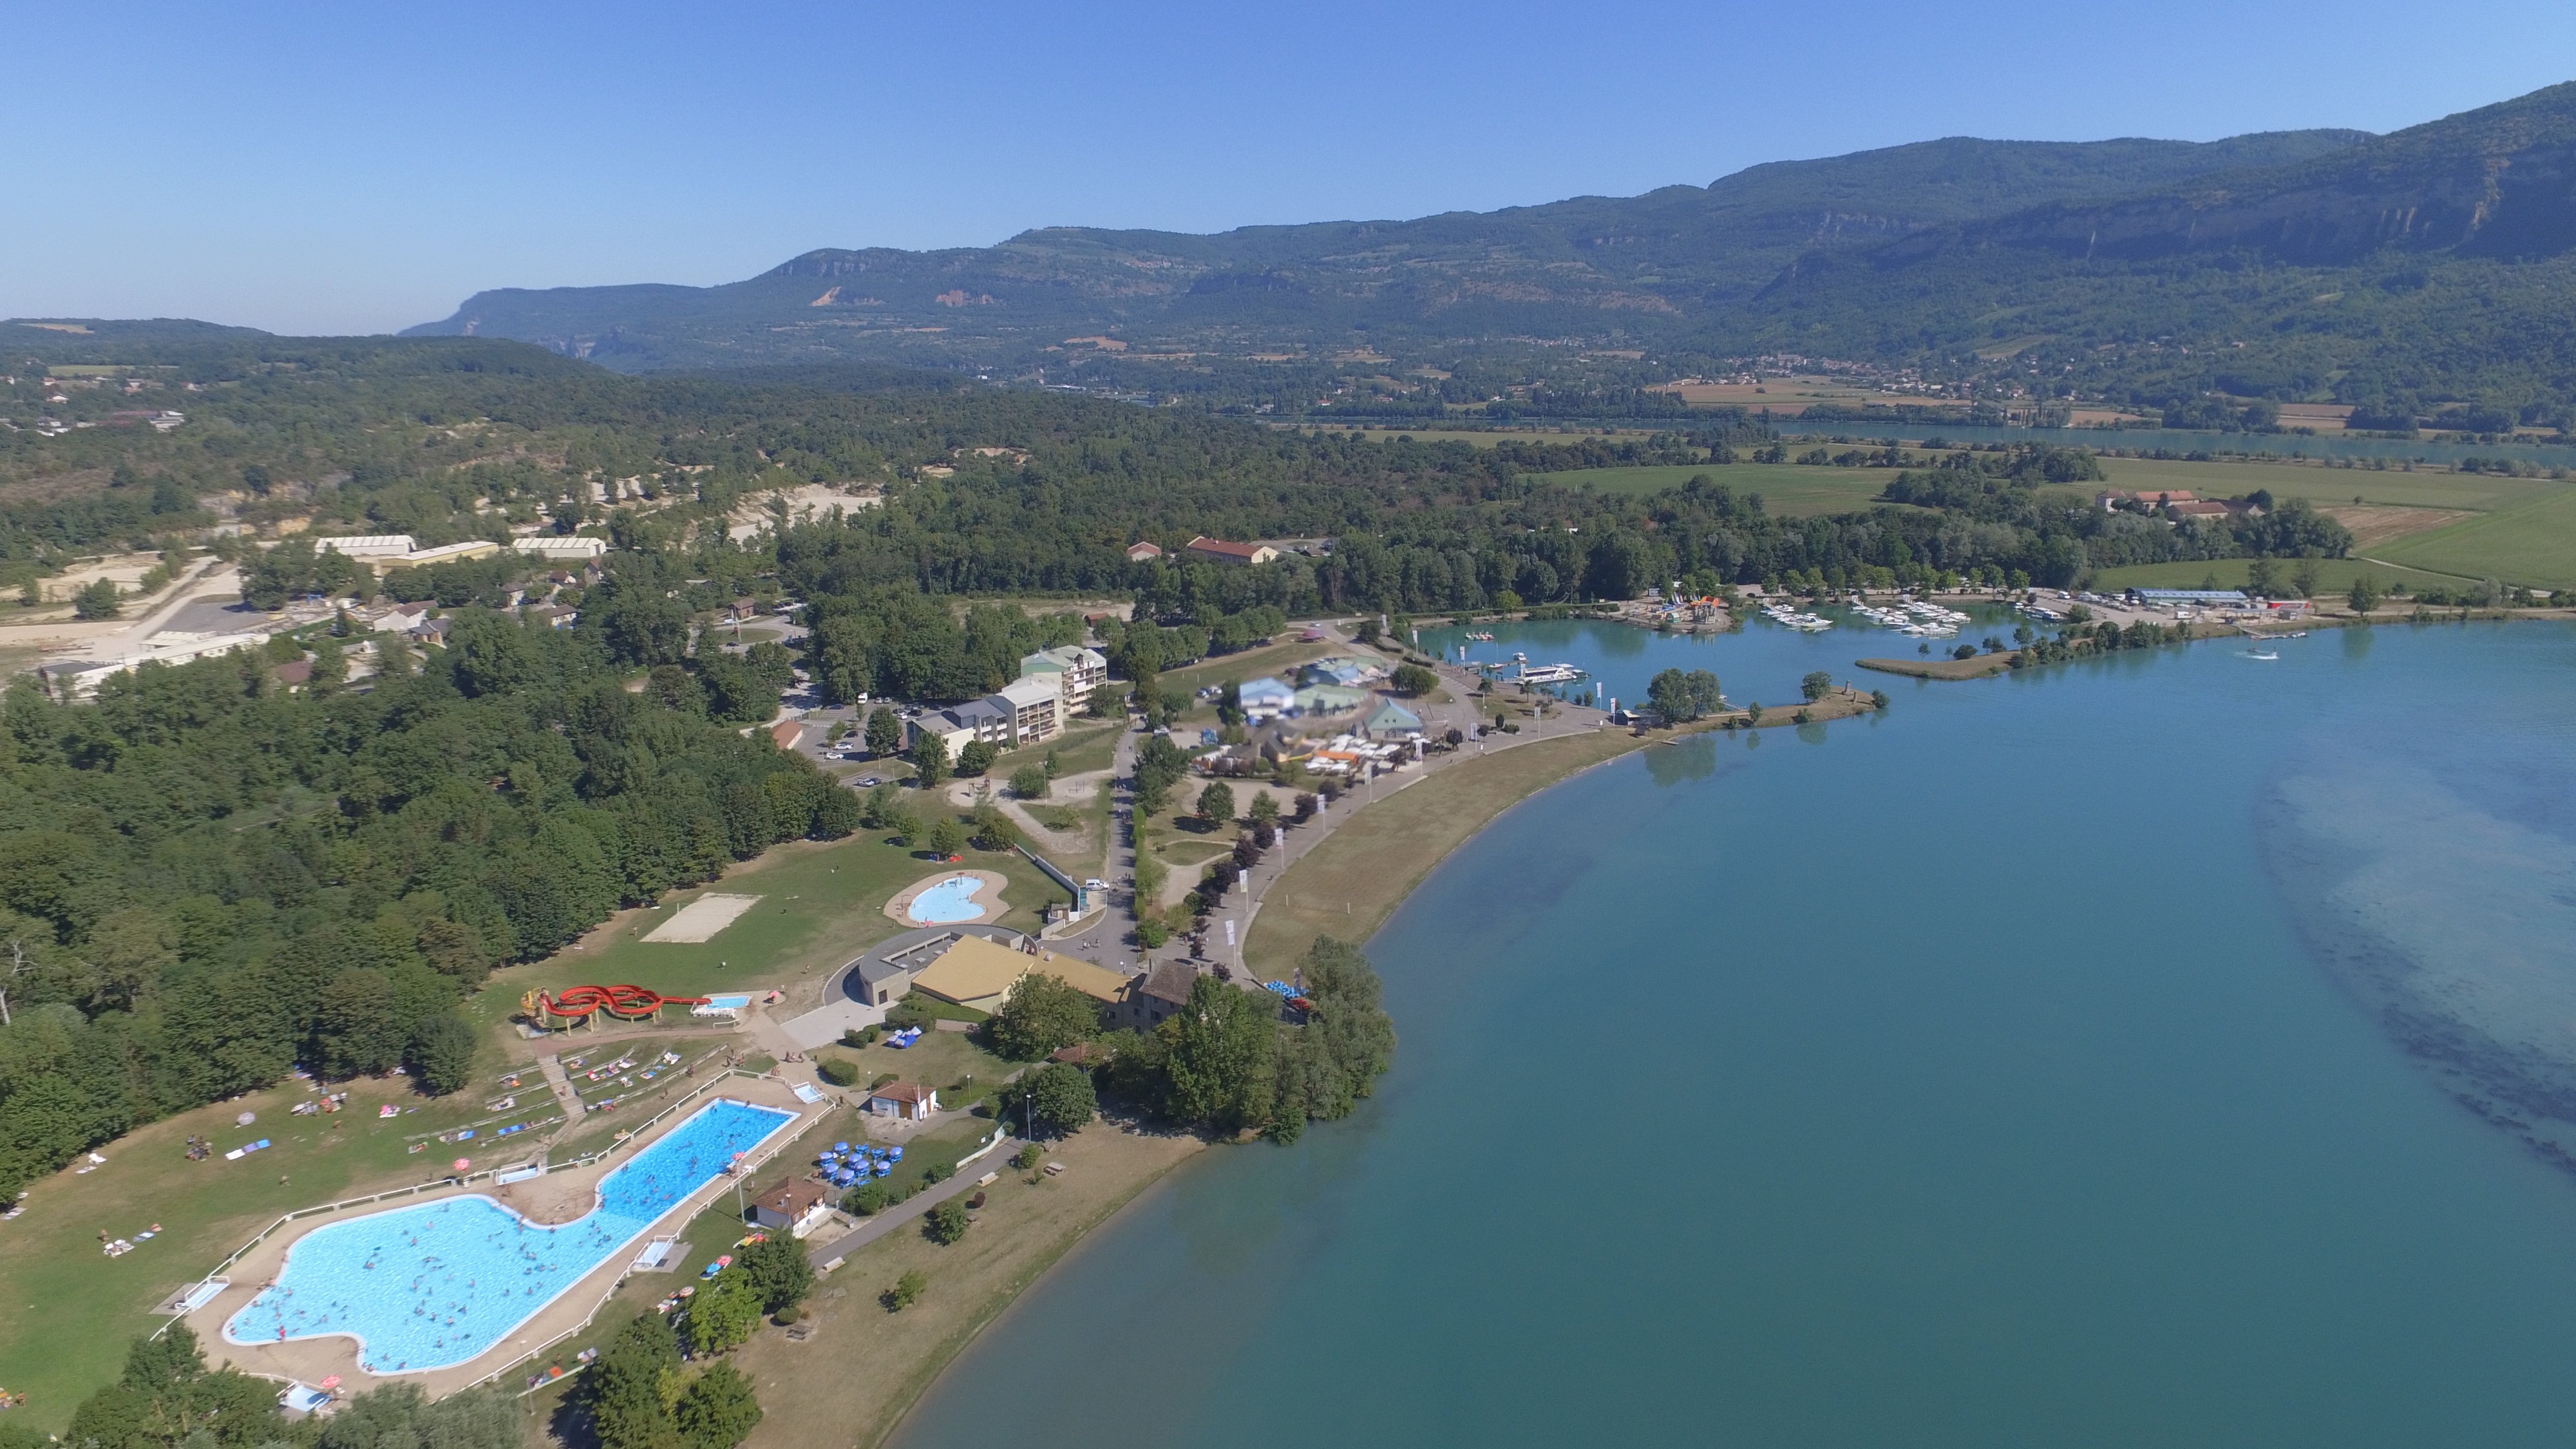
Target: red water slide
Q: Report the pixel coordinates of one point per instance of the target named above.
(629, 1003)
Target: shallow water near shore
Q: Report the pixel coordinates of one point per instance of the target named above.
(2072, 1057)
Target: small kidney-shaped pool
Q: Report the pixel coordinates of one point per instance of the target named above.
(947, 902)
(432, 1285)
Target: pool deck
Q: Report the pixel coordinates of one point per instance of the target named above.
(987, 898)
(558, 1197)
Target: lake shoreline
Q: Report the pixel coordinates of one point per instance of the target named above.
(1541, 768)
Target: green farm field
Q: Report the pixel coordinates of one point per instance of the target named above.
(2327, 487)
(2531, 542)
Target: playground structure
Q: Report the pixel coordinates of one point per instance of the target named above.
(578, 1004)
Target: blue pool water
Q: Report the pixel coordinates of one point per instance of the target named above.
(435, 1284)
(946, 903)
(737, 1001)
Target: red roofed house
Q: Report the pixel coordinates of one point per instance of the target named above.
(1139, 552)
(786, 733)
(1220, 551)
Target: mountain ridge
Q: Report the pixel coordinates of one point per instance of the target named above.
(1569, 264)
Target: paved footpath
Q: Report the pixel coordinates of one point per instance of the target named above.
(911, 1209)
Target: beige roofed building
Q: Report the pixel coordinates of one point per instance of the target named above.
(979, 974)
(1221, 551)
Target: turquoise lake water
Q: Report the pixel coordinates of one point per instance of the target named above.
(2166, 1050)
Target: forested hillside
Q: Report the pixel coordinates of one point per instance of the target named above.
(2426, 267)
(1652, 267)
(2406, 275)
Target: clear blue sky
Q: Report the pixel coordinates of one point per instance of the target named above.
(353, 168)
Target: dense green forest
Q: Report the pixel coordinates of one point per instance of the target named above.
(206, 880)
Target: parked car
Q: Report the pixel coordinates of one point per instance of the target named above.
(1095, 885)
(869, 782)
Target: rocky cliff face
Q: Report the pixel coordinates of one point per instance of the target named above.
(2496, 182)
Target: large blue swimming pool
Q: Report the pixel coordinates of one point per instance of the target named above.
(947, 903)
(435, 1284)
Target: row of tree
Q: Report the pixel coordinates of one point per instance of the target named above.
(1227, 1061)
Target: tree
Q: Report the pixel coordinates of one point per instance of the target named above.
(97, 601)
(2304, 577)
(2263, 578)
(718, 1409)
(1816, 685)
(724, 1313)
(947, 837)
(1264, 809)
(1160, 765)
(627, 1390)
(1677, 696)
(1062, 1097)
(909, 826)
(945, 1222)
(330, 666)
(1216, 804)
(1042, 1014)
(440, 1056)
(1964, 651)
(929, 760)
(1031, 782)
(779, 1272)
(907, 1291)
(1057, 1098)
(166, 1398)
(1413, 679)
(975, 759)
(993, 829)
(1222, 1044)
(400, 1414)
(884, 732)
(2365, 595)
(1347, 1041)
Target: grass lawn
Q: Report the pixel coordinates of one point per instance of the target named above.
(80, 1309)
(820, 905)
(2531, 542)
(1280, 659)
(1348, 885)
(2334, 575)
(962, 1072)
(1086, 746)
(1190, 854)
(1788, 489)
(864, 1366)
